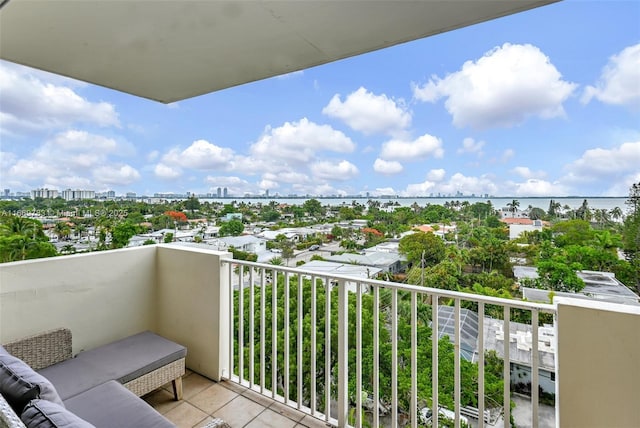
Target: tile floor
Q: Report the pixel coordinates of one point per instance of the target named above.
(205, 400)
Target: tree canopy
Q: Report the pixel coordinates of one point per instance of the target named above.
(421, 245)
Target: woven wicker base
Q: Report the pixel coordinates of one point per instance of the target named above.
(155, 379)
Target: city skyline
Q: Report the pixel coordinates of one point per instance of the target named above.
(521, 106)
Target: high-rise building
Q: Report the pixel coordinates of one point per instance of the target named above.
(75, 195)
(44, 193)
(219, 192)
(225, 192)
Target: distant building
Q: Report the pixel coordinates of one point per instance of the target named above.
(225, 192)
(76, 195)
(131, 195)
(219, 192)
(44, 193)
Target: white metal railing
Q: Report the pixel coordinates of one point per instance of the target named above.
(316, 360)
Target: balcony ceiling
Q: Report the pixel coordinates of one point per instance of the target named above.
(172, 50)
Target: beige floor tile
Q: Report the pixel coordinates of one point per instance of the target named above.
(185, 415)
(287, 411)
(239, 411)
(234, 386)
(271, 419)
(212, 398)
(161, 400)
(203, 422)
(258, 398)
(311, 422)
(193, 384)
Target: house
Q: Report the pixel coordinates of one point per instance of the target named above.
(601, 286)
(384, 261)
(343, 269)
(519, 225)
(520, 352)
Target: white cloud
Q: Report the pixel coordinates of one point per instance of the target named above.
(116, 175)
(436, 175)
(458, 182)
(341, 171)
(469, 145)
(526, 173)
(606, 163)
(300, 142)
(619, 82)
(369, 113)
(31, 103)
(200, 155)
(503, 88)
(234, 184)
(166, 172)
(507, 155)
(419, 189)
(387, 167)
(421, 148)
(71, 158)
(535, 187)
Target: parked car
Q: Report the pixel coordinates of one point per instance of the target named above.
(314, 247)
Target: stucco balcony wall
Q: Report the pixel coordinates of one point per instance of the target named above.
(107, 295)
(597, 374)
(100, 296)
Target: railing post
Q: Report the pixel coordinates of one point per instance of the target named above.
(343, 354)
(225, 320)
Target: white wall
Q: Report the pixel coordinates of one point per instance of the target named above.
(193, 305)
(100, 296)
(597, 372)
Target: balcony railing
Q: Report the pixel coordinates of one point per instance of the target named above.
(281, 340)
(377, 352)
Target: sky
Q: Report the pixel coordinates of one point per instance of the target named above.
(542, 103)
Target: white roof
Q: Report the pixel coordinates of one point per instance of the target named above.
(172, 50)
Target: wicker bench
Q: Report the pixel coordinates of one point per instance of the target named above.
(141, 363)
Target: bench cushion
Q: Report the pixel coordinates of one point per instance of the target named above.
(112, 405)
(46, 414)
(134, 356)
(123, 360)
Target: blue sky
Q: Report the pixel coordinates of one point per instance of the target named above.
(543, 103)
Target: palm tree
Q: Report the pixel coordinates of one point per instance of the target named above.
(616, 213)
(513, 206)
(15, 225)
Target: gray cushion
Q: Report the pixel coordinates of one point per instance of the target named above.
(46, 414)
(123, 360)
(19, 383)
(111, 405)
(73, 376)
(134, 356)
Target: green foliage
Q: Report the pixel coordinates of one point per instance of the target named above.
(419, 245)
(231, 228)
(168, 238)
(631, 235)
(243, 255)
(22, 238)
(313, 207)
(286, 314)
(121, 234)
(572, 232)
(557, 275)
